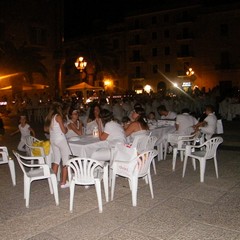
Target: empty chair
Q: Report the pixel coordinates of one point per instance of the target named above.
(34, 172)
(208, 150)
(151, 143)
(85, 172)
(139, 167)
(182, 141)
(5, 159)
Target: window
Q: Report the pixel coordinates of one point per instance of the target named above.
(224, 30)
(225, 63)
(138, 72)
(154, 52)
(154, 35)
(166, 18)
(167, 68)
(136, 55)
(136, 39)
(154, 20)
(185, 50)
(166, 33)
(115, 43)
(155, 68)
(167, 51)
(136, 24)
(38, 36)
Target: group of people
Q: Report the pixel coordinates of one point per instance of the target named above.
(63, 123)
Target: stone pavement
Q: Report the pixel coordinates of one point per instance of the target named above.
(183, 208)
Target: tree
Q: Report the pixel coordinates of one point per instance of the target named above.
(23, 60)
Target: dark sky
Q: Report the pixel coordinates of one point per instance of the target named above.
(81, 15)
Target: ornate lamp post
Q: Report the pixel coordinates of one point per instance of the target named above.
(190, 72)
(80, 64)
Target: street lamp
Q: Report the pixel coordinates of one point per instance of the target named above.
(80, 64)
(190, 72)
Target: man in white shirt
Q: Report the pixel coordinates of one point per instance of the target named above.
(165, 114)
(209, 124)
(185, 122)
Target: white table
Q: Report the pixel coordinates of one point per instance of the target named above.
(85, 146)
(162, 131)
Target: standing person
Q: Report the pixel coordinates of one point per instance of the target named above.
(25, 130)
(55, 125)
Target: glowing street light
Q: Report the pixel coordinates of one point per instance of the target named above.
(80, 64)
(190, 72)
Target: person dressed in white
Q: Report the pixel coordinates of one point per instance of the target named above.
(74, 125)
(209, 125)
(185, 123)
(54, 124)
(165, 114)
(25, 130)
(112, 132)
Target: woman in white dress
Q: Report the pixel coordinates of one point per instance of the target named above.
(139, 125)
(112, 132)
(74, 125)
(55, 126)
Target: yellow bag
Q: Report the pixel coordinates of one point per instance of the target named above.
(44, 144)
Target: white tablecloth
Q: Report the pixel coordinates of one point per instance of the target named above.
(162, 132)
(85, 146)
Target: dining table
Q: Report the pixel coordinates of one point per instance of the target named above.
(86, 145)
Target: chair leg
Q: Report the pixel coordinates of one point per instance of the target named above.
(113, 185)
(165, 150)
(160, 151)
(105, 183)
(184, 165)
(99, 194)
(202, 169)
(150, 184)
(181, 155)
(12, 171)
(134, 183)
(27, 191)
(194, 163)
(50, 185)
(55, 188)
(216, 166)
(154, 166)
(72, 189)
(174, 158)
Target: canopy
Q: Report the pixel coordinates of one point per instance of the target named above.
(84, 86)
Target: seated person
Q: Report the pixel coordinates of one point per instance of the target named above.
(209, 125)
(165, 114)
(151, 119)
(74, 125)
(138, 126)
(111, 131)
(185, 123)
(94, 116)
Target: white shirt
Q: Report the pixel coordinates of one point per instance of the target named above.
(116, 133)
(170, 116)
(185, 122)
(24, 131)
(211, 126)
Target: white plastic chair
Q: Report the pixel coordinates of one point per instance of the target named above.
(182, 141)
(207, 151)
(34, 172)
(138, 167)
(5, 159)
(151, 143)
(86, 171)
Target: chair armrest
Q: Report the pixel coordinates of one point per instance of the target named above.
(40, 159)
(189, 148)
(4, 156)
(38, 148)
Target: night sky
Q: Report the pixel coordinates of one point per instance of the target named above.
(83, 17)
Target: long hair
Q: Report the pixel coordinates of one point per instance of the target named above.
(142, 117)
(91, 112)
(56, 108)
(106, 116)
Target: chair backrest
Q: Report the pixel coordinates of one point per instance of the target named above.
(84, 170)
(186, 139)
(4, 156)
(151, 142)
(26, 166)
(144, 161)
(211, 146)
(30, 140)
(140, 142)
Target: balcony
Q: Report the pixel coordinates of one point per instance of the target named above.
(181, 37)
(135, 77)
(136, 43)
(136, 60)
